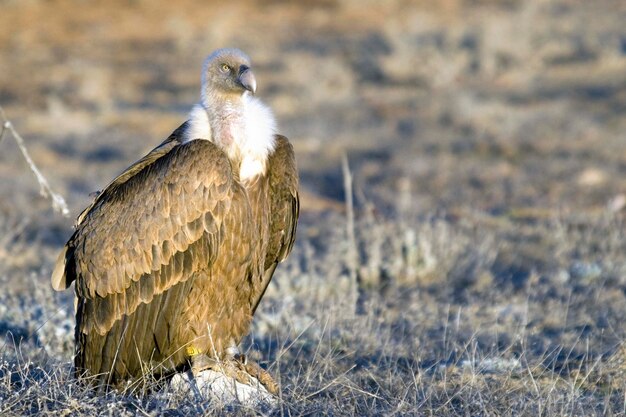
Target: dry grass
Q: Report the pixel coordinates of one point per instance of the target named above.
(437, 340)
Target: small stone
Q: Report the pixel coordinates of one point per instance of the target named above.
(617, 203)
(585, 271)
(493, 365)
(592, 177)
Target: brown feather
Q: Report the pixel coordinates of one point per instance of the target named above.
(59, 277)
(285, 209)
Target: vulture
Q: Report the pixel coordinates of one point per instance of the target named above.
(171, 259)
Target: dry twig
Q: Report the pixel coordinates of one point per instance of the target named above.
(58, 202)
(353, 254)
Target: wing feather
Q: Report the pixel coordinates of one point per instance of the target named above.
(137, 238)
(284, 211)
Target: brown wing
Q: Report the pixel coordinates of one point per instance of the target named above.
(147, 231)
(284, 210)
(61, 280)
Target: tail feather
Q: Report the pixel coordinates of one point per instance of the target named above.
(59, 277)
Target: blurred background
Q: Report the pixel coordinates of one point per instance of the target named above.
(503, 116)
(487, 145)
(457, 105)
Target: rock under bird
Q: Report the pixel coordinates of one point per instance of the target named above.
(171, 259)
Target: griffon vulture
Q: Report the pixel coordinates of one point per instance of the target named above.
(171, 259)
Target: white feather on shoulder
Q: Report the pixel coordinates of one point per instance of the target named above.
(198, 126)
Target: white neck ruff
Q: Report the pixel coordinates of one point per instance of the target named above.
(251, 128)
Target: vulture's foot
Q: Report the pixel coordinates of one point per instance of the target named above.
(252, 369)
(235, 366)
(264, 377)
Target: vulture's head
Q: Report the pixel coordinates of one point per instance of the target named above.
(226, 72)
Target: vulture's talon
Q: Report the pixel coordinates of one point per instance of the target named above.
(241, 358)
(264, 377)
(238, 367)
(231, 367)
(202, 362)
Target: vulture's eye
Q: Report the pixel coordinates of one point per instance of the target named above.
(225, 68)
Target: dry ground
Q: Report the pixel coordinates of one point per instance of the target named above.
(487, 274)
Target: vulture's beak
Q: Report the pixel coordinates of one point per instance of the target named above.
(246, 79)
